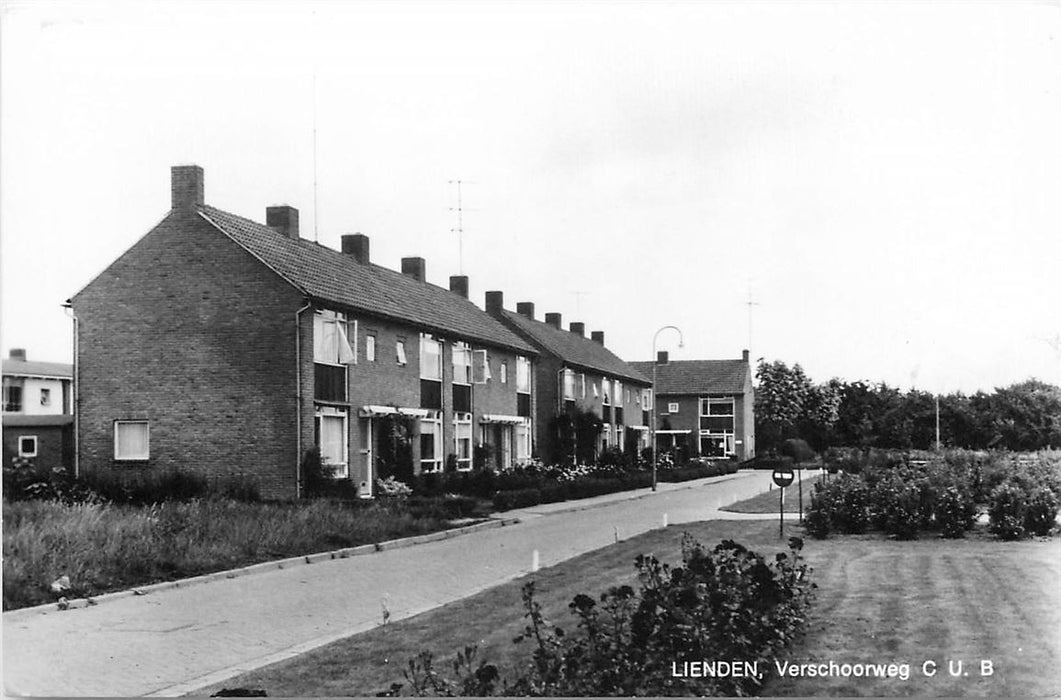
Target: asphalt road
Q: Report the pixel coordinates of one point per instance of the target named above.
(174, 641)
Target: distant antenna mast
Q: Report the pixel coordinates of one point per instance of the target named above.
(578, 302)
(315, 238)
(750, 304)
(460, 227)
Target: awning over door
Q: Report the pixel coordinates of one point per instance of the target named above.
(502, 419)
(377, 411)
(673, 432)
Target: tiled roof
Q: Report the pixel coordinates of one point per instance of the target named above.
(20, 368)
(331, 276)
(697, 376)
(574, 348)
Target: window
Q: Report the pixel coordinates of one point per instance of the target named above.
(462, 437)
(332, 333)
(462, 364)
(27, 445)
(399, 349)
(596, 392)
(431, 443)
(717, 427)
(646, 399)
(481, 368)
(370, 347)
(332, 440)
(131, 440)
(12, 397)
(582, 384)
(523, 440)
(569, 385)
(672, 408)
(522, 375)
(606, 392)
(46, 397)
(430, 358)
(504, 371)
(617, 392)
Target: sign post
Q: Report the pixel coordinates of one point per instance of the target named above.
(782, 477)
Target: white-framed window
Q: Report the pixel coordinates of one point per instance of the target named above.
(523, 439)
(523, 375)
(617, 392)
(596, 392)
(12, 395)
(582, 384)
(646, 399)
(431, 442)
(481, 373)
(370, 347)
(399, 353)
(672, 408)
(27, 445)
(332, 336)
(132, 440)
(717, 427)
(569, 385)
(462, 439)
(430, 358)
(606, 392)
(46, 396)
(332, 440)
(462, 364)
(504, 371)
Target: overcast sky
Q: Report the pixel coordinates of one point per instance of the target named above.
(884, 178)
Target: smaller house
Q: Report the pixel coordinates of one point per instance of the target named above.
(37, 416)
(707, 406)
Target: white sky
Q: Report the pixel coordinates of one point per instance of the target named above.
(886, 177)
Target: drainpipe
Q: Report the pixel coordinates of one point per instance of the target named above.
(75, 403)
(298, 400)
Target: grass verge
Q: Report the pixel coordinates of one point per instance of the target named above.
(879, 601)
(767, 502)
(104, 548)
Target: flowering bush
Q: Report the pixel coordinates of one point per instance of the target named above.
(392, 488)
(1006, 511)
(955, 512)
(1040, 514)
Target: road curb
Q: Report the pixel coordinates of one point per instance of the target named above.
(15, 616)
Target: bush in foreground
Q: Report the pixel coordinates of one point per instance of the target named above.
(726, 603)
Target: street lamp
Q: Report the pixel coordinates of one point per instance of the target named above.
(681, 343)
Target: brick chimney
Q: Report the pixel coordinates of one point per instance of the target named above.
(525, 308)
(578, 328)
(186, 186)
(662, 357)
(415, 268)
(458, 284)
(18, 354)
(744, 356)
(597, 336)
(282, 219)
(356, 244)
(495, 303)
(553, 319)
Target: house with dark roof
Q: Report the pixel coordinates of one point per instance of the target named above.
(578, 376)
(36, 412)
(228, 347)
(706, 405)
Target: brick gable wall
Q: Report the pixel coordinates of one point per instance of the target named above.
(192, 333)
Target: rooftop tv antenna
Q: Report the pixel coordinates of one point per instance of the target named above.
(460, 227)
(315, 238)
(750, 303)
(578, 302)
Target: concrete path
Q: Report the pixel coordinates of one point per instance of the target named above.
(175, 641)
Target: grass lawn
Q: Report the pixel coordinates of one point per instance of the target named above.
(879, 601)
(767, 502)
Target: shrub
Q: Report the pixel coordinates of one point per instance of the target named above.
(897, 505)
(818, 520)
(1007, 511)
(1040, 514)
(955, 512)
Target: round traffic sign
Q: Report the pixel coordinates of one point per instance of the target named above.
(783, 477)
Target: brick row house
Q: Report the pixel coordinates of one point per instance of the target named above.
(705, 405)
(230, 347)
(578, 377)
(37, 412)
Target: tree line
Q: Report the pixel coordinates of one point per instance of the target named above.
(1022, 416)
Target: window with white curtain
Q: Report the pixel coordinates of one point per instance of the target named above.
(131, 440)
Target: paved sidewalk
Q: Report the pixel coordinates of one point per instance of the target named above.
(176, 640)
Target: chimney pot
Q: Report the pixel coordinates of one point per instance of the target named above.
(578, 328)
(553, 319)
(282, 219)
(662, 357)
(186, 186)
(356, 244)
(18, 354)
(458, 284)
(415, 268)
(495, 302)
(598, 337)
(525, 308)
